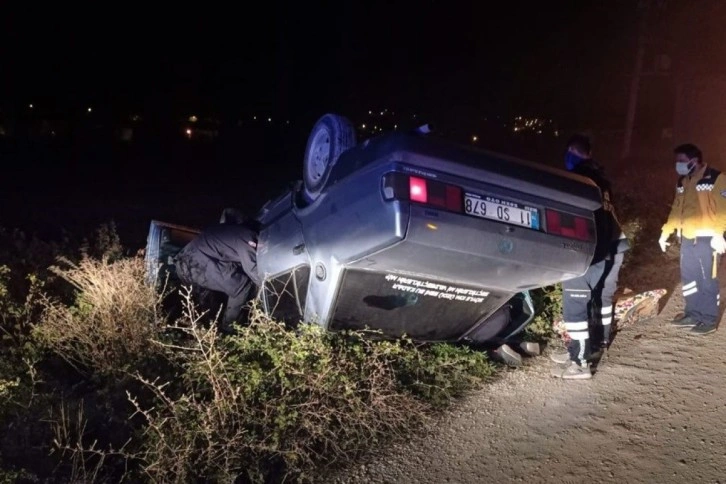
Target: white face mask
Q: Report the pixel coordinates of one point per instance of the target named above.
(684, 168)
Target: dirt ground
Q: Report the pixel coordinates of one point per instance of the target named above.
(655, 412)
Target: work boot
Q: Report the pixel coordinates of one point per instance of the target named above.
(560, 358)
(573, 371)
(563, 358)
(683, 321)
(703, 328)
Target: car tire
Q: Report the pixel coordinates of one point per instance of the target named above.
(330, 137)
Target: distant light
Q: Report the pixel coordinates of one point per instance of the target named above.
(255, 118)
(395, 126)
(475, 138)
(363, 126)
(370, 112)
(516, 129)
(189, 132)
(287, 122)
(193, 119)
(269, 120)
(30, 106)
(89, 109)
(382, 113)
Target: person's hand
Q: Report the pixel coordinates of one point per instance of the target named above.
(663, 242)
(718, 244)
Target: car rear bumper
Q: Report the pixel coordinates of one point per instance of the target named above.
(487, 254)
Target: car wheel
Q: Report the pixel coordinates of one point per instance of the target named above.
(330, 137)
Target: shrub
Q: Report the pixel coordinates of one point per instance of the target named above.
(112, 321)
(269, 399)
(19, 402)
(175, 402)
(548, 308)
(17, 312)
(441, 372)
(104, 245)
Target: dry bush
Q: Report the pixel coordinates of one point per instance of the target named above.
(266, 404)
(113, 319)
(271, 400)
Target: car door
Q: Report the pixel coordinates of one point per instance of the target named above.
(283, 261)
(164, 241)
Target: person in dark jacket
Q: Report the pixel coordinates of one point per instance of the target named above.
(589, 298)
(223, 258)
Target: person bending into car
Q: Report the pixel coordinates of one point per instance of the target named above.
(589, 298)
(223, 258)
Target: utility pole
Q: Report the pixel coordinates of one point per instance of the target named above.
(635, 80)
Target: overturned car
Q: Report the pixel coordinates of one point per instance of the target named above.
(411, 234)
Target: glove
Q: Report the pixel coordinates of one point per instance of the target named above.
(718, 244)
(663, 242)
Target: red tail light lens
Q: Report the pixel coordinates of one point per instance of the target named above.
(417, 190)
(424, 191)
(570, 226)
(454, 199)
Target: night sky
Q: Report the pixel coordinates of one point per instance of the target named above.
(312, 57)
(564, 59)
(453, 61)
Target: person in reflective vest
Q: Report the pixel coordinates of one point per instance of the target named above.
(698, 219)
(587, 301)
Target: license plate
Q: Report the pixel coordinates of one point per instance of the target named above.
(502, 210)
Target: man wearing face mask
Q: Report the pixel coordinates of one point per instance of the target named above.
(698, 216)
(590, 296)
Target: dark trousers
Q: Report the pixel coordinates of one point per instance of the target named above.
(225, 277)
(587, 307)
(700, 288)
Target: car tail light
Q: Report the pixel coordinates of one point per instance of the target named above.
(570, 226)
(417, 190)
(422, 190)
